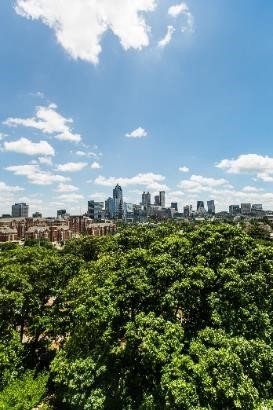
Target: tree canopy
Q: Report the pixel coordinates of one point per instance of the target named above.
(160, 316)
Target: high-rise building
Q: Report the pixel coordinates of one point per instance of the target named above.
(200, 205)
(128, 212)
(187, 211)
(234, 210)
(157, 200)
(20, 210)
(256, 208)
(245, 209)
(174, 206)
(211, 207)
(109, 208)
(162, 199)
(95, 210)
(118, 202)
(146, 199)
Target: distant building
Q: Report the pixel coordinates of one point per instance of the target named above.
(128, 212)
(211, 207)
(20, 210)
(256, 208)
(234, 210)
(146, 199)
(109, 208)
(174, 206)
(95, 210)
(200, 205)
(157, 200)
(246, 209)
(61, 213)
(187, 211)
(118, 202)
(37, 215)
(162, 199)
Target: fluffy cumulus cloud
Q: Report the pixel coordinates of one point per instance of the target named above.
(25, 146)
(35, 175)
(148, 180)
(71, 197)
(4, 188)
(48, 121)
(137, 133)
(182, 9)
(79, 25)
(62, 188)
(71, 166)
(184, 169)
(167, 38)
(95, 165)
(198, 183)
(260, 165)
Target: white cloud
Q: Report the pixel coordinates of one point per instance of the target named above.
(167, 38)
(71, 166)
(49, 121)
(35, 175)
(86, 154)
(198, 183)
(25, 146)
(45, 160)
(251, 189)
(260, 165)
(184, 169)
(182, 9)
(80, 25)
(95, 165)
(149, 180)
(71, 197)
(66, 188)
(137, 133)
(6, 188)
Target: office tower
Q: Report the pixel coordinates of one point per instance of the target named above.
(128, 212)
(157, 200)
(109, 208)
(187, 211)
(174, 206)
(20, 210)
(234, 210)
(256, 208)
(95, 210)
(61, 213)
(146, 199)
(245, 209)
(200, 205)
(211, 207)
(162, 199)
(118, 202)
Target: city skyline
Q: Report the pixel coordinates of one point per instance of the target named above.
(178, 100)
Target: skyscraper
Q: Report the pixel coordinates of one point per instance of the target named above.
(200, 205)
(162, 199)
(109, 208)
(118, 202)
(211, 207)
(20, 210)
(157, 200)
(174, 206)
(146, 199)
(95, 210)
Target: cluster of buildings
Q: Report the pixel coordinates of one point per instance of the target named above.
(101, 217)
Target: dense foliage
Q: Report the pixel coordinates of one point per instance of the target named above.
(154, 317)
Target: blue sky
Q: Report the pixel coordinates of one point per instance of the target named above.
(154, 94)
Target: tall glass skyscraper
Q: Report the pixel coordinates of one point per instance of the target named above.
(118, 202)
